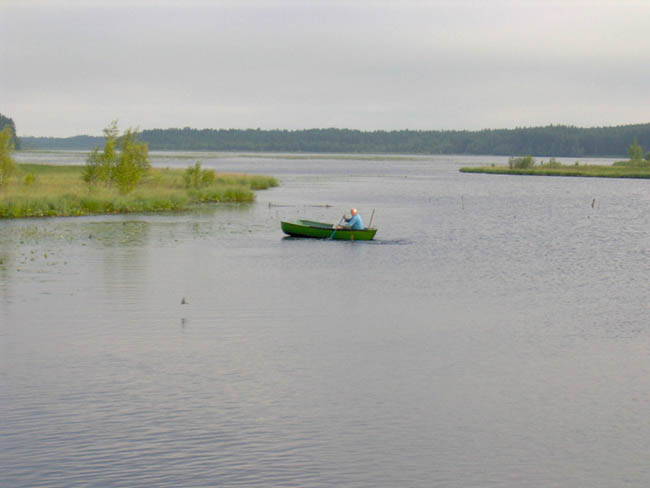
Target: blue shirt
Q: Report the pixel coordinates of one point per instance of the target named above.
(355, 222)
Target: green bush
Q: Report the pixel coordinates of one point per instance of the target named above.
(522, 162)
(29, 179)
(195, 177)
(124, 168)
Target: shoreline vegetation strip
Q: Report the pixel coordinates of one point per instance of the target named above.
(590, 171)
(42, 190)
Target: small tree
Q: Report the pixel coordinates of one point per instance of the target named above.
(132, 163)
(7, 164)
(123, 168)
(8, 122)
(98, 164)
(195, 177)
(635, 151)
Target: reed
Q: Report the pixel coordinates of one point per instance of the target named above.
(47, 190)
(633, 163)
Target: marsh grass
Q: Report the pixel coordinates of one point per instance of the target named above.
(595, 171)
(60, 191)
(633, 163)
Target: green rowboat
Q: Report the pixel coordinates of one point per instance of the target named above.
(320, 230)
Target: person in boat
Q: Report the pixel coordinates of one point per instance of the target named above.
(353, 222)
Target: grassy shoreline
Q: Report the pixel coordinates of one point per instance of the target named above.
(41, 190)
(589, 171)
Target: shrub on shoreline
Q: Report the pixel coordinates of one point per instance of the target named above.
(521, 162)
(7, 163)
(195, 177)
(124, 168)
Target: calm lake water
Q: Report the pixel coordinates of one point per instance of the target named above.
(495, 334)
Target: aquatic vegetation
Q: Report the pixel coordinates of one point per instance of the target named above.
(223, 193)
(61, 191)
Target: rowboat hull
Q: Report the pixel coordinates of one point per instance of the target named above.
(321, 230)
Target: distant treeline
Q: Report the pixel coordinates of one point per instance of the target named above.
(554, 140)
(72, 143)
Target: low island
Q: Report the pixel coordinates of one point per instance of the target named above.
(528, 166)
(117, 180)
(49, 190)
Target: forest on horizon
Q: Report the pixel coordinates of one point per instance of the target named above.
(549, 141)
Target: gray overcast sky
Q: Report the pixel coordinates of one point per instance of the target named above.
(70, 67)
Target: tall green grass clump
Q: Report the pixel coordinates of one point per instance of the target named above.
(256, 182)
(223, 193)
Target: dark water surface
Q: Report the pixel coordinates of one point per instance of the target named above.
(496, 334)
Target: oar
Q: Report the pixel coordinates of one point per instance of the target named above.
(336, 227)
(371, 216)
